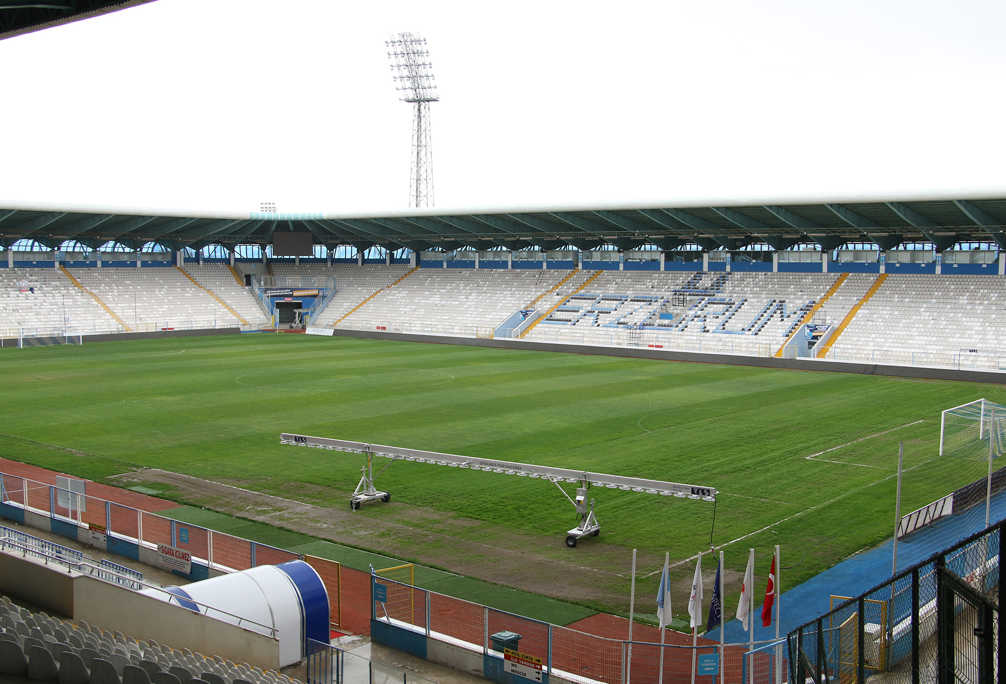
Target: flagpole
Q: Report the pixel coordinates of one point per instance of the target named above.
(723, 650)
(632, 605)
(750, 617)
(778, 615)
(695, 629)
(667, 560)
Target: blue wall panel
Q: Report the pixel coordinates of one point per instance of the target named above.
(970, 269)
(395, 637)
(77, 264)
(682, 265)
(62, 528)
(437, 263)
(562, 265)
(895, 269)
(751, 266)
(494, 263)
(717, 266)
(526, 265)
(198, 572)
(600, 265)
(396, 260)
(118, 264)
(123, 548)
(35, 264)
(853, 267)
(12, 513)
(642, 265)
(373, 261)
(344, 260)
(461, 264)
(800, 267)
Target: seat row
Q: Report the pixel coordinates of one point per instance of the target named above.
(45, 648)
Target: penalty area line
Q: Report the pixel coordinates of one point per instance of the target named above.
(814, 457)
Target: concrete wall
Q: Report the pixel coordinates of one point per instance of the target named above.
(56, 589)
(694, 357)
(160, 334)
(48, 587)
(144, 617)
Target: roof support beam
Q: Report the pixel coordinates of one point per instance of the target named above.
(917, 220)
(791, 219)
(989, 224)
(692, 221)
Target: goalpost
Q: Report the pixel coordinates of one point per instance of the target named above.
(962, 474)
(968, 426)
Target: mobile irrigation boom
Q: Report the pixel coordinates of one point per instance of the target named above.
(366, 491)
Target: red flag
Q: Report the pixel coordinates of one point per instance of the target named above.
(766, 608)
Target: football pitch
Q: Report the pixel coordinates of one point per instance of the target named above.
(802, 459)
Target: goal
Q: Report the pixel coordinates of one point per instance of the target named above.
(963, 473)
(400, 594)
(973, 428)
(25, 339)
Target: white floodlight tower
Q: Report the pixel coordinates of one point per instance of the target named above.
(413, 76)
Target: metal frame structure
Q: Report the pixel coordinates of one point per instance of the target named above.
(587, 523)
(827, 223)
(24, 16)
(413, 76)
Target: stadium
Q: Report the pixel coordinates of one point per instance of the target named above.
(326, 447)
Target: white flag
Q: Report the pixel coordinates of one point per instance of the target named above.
(695, 600)
(664, 598)
(743, 608)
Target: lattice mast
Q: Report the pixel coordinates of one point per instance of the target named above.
(413, 76)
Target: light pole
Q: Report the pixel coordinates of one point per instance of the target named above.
(413, 76)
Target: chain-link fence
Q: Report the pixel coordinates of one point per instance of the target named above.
(935, 619)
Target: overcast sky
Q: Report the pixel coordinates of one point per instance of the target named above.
(200, 106)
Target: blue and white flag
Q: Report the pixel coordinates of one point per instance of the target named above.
(664, 598)
(695, 599)
(715, 606)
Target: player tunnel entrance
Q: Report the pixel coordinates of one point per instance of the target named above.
(287, 311)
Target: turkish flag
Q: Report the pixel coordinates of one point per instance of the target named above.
(766, 608)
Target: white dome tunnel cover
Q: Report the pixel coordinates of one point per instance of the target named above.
(287, 601)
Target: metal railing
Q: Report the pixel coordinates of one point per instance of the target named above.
(897, 629)
(76, 561)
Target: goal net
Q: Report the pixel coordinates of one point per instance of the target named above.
(972, 429)
(25, 339)
(972, 438)
(401, 596)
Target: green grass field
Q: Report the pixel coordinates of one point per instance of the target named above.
(214, 407)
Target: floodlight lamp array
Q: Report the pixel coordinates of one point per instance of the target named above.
(412, 69)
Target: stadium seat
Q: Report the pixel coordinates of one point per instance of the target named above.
(72, 669)
(12, 660)
(102, 672)
(181, 673)
(41, 666)
(164, 678)
(131, 674)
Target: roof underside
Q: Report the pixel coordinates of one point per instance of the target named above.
(25, 16)
(942, 222)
